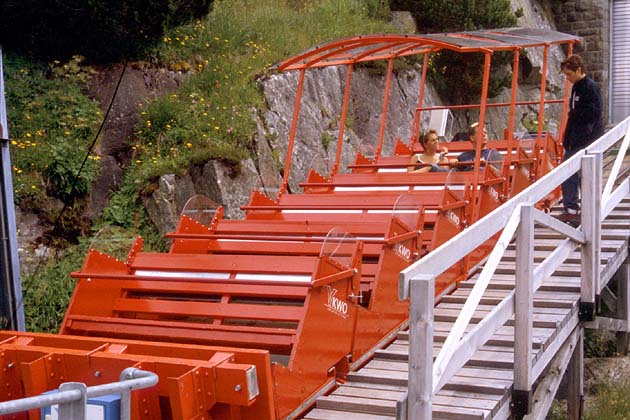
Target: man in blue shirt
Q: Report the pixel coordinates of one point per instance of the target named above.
(584, 125)
(491, 156)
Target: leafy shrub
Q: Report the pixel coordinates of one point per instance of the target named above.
(449, 69)
(101, 30)
(66, 160)
(51, 124)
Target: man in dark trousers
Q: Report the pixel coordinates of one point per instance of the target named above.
(583, 127)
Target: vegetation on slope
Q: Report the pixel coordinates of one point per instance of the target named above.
(208, 117)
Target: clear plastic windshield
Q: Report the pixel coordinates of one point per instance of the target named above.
(339, 246)
(406, 211)
(495, 159)
(456, 182)
(201, 209)
(114, 241)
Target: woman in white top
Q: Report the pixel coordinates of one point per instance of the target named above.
(433, 156)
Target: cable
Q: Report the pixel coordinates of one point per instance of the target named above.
(76, 177)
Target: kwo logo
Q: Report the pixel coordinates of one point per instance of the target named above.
(453, 218)
(336, 305)
(525, 170)
(402, 251)
(494, 194)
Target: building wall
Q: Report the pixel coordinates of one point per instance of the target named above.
(589, 19)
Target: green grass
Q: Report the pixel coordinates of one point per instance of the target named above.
(612, 402)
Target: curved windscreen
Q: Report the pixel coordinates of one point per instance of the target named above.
(339, 246)
(495, 159)
(456, 182)
(114, 241)
(406, 211)
(201, 209)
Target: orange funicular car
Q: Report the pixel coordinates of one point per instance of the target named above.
(255, 318)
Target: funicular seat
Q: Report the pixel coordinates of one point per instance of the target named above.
(236, 300)
(391, 243)
(303, 233)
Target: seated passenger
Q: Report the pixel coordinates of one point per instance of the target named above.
(430, 144)
(487, 155)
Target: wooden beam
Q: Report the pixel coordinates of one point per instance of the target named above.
(591, 193)
(558, 226)
(623, 306)
(548, 386)
(420, 348)
(622, 191)
(575, 380)
(523, 308)
(610, 324)
(609, 298)
(612, 177)
(555, 259)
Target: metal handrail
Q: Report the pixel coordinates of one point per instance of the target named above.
(72, 396)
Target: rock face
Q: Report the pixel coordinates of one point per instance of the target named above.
(319, 123)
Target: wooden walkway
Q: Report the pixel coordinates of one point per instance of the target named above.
(482, 388)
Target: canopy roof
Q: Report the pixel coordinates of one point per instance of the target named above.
(385, 46)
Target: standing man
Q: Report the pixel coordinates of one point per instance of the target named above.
(583, 127)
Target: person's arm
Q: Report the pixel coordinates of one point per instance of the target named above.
(413, 160)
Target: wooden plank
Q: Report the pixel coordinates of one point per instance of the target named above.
(460, 413)
(357, 405)
(421, 340)
(321, 414)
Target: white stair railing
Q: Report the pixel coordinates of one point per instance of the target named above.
(518, 216)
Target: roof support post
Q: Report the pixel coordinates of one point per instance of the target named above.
(294, 121)
(388, 84)
(417, 116)
(541, 116)
(565, 104)
(523, 313)
(591, 186)
(513, 93)
(420, 379)
(342, 122)
(480, 128)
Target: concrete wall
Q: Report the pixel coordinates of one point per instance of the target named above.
(589, 19)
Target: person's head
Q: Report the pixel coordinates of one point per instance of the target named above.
(472, 135)
(430, 141)
(573, 68)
